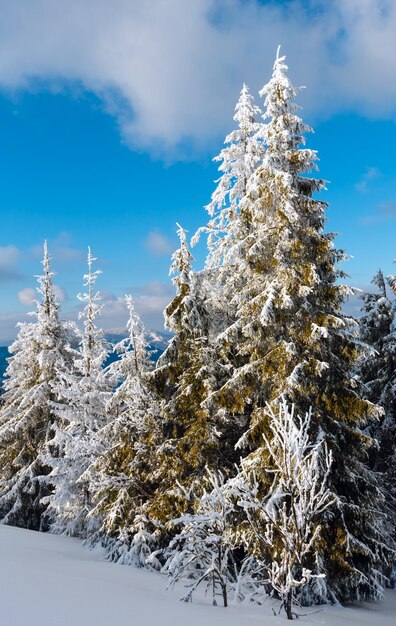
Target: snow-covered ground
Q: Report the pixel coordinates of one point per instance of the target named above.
(53, 581)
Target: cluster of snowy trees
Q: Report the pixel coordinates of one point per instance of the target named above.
(258, 453)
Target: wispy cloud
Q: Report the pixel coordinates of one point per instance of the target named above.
(158, 244)
(61, 249)
(8, 326)
(370, 174)
(10, 257)
(383, 212)
(153, 297)
(171, 71)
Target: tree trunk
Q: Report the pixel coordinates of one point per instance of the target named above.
(214, 590)
(224, 589)
(288, 604)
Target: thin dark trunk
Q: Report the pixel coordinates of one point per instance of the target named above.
(214, 590)
(225, 600)
(288, 604)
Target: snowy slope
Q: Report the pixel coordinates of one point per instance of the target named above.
(53, 581)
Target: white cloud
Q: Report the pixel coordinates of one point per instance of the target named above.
(150, 302)
(27, 296)
(60, 294)
(171, 70)
(158, 244)
(154, 297)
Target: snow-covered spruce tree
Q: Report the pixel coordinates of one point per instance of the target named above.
(82, 414)
(204, 551)
(228, 227)
(378, 374)
(201, 552)
(39, 357)
(122, 482)
(378, 369)
(183, 378)
(290, 337)
(285, 519)
(196, 432)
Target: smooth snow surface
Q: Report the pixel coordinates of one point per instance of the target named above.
(47, 580)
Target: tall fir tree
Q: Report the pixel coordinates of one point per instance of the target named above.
(205, 303)
(377, 372)
(183, 379)
(81, 410)
(39, 355)
(290, 339)
(123, 482)
(228, 228)
(378, 369)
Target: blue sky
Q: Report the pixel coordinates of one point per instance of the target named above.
(110, 115)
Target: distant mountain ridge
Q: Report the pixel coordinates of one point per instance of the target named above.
(158, 341)
(3, 362)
